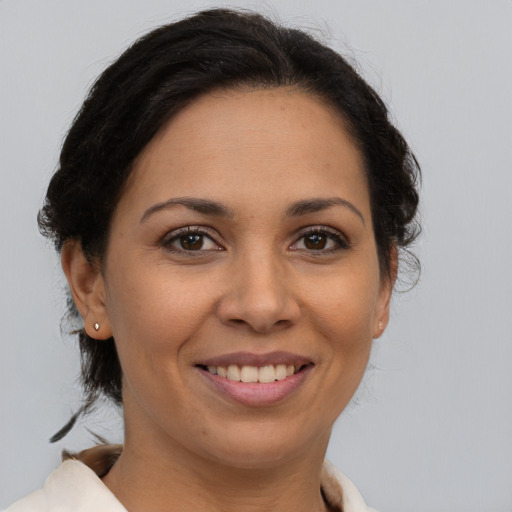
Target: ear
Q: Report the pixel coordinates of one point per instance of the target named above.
(88, 290)
(384, 298)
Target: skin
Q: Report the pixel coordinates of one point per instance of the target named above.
(255, 286)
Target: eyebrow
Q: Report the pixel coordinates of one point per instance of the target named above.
(306, 206)
(209, 207)
(205, 206)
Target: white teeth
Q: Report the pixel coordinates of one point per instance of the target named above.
(280, 372)
(234, 372)
(249, 374)
(267, 374)
(263, 374)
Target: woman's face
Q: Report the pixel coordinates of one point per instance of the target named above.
(243, 244)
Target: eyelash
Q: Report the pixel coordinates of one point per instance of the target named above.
(332, 235)
(188, 230)
(341, 242)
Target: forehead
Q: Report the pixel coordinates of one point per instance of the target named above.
(244, 145)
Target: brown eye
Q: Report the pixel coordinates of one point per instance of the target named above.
(322, 240)
(315, 241)
(191, 242)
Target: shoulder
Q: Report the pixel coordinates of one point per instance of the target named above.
(72, 486)
(340, 492)
(34, 502)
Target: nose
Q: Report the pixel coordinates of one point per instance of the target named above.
(259, 296)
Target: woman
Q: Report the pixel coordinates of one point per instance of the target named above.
(230, 205)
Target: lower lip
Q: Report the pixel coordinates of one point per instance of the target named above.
(256, 393)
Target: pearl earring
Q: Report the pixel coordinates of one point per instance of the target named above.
(96, 326)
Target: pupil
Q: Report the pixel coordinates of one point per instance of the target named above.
(191, 242)
(315, 241)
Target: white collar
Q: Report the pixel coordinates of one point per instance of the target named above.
(75, 486)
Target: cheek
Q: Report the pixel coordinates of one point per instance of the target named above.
(343, 314)
(153, 315)
(343, 308)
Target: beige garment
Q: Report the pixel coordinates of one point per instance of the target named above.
(76, 486)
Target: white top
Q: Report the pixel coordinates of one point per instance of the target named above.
(75, 487)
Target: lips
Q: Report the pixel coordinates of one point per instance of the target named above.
(258, 360)
(256, 379)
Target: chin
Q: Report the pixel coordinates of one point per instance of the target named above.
(265, 446)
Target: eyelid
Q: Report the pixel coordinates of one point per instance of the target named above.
(339, 237)
(173, 235)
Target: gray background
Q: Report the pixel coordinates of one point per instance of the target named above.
(431, 427)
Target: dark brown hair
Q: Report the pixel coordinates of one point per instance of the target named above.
(167, 69)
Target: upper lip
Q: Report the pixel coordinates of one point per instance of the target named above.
(259, 360)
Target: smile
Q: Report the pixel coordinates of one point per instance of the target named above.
(263, 374)
(256, 380)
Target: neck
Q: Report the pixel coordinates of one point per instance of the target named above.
(167, 478)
